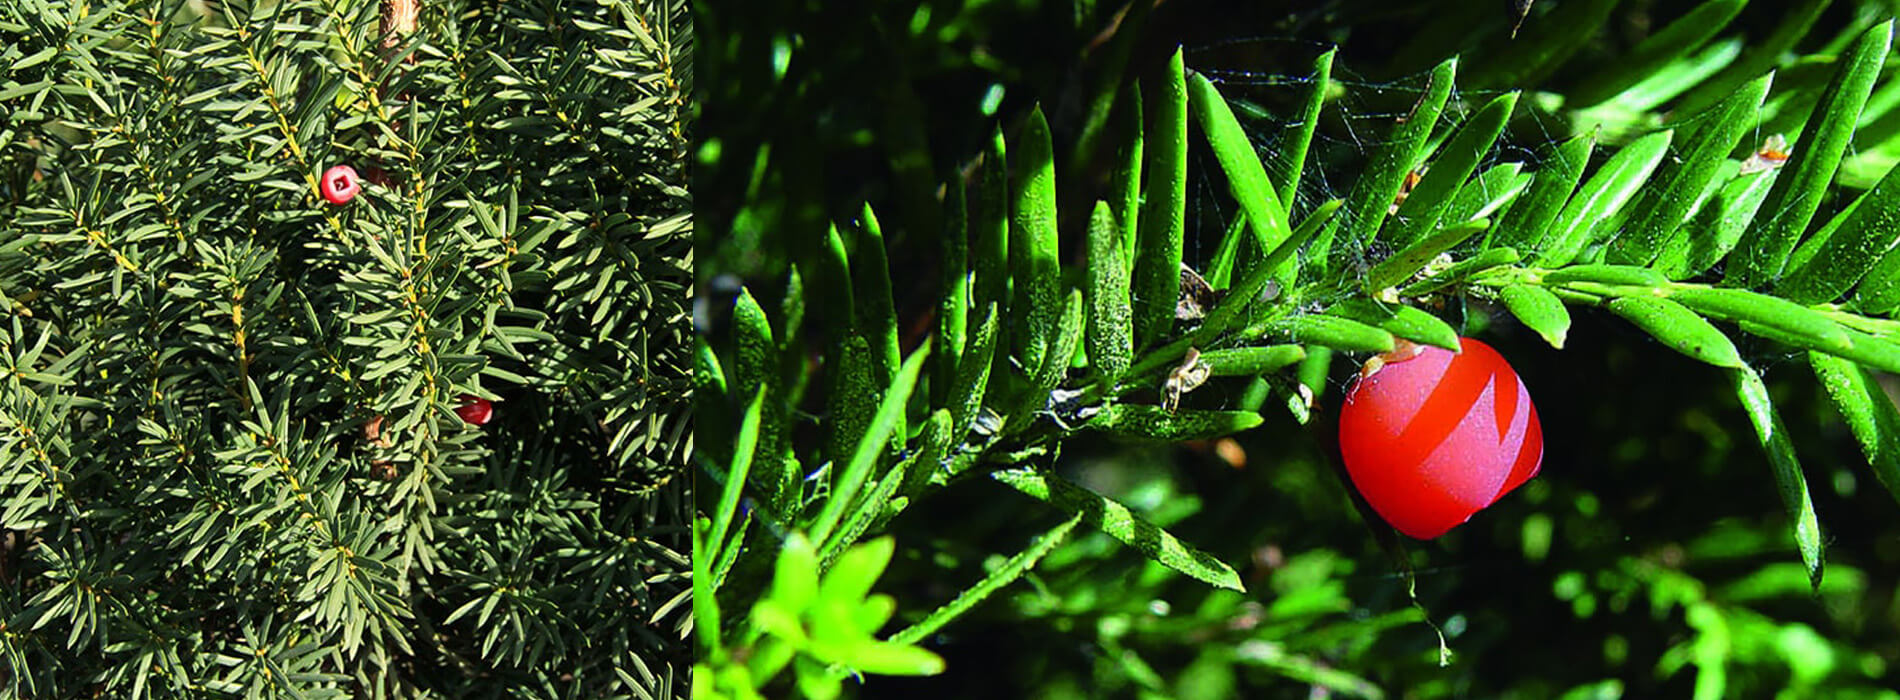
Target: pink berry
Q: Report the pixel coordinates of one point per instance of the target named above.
(475, 410)
(339, 184)
(1431, 437)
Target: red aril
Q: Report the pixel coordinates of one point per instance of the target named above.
(1431, 437)
(339, 184)
(475, 410)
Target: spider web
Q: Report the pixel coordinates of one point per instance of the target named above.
(1355, 124)
(1356, 121)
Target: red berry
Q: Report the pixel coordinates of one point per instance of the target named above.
(1431, 437)
(339, 184)
(475, 410)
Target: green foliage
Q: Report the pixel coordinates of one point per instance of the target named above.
(1683, 228)
(821, 628)
(231, 462)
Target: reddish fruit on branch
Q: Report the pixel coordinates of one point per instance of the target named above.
(339, 184)
(375, 176)
(1431, 437)
(475, 410)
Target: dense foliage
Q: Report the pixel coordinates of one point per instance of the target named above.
(230, 462)
(964, 417)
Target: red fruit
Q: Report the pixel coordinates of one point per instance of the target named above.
(339, 184)
(1431, 437)
(475, 410)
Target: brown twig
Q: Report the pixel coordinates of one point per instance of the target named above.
(399, 21)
